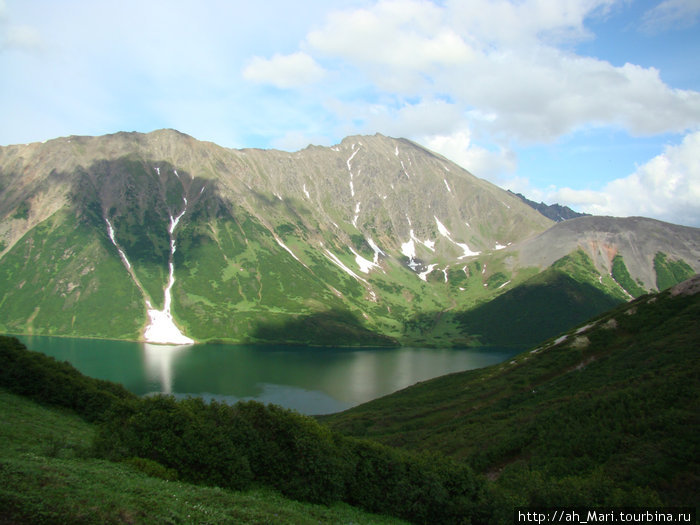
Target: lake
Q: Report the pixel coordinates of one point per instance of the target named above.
(309, 380)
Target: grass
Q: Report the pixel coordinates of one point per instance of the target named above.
(50, 477)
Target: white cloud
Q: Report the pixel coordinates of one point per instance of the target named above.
(499, 58)
(284, 71)
(666, 188)
(398, 42)
(484, 163)
(671, 14)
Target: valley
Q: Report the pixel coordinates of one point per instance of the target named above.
(603, 415)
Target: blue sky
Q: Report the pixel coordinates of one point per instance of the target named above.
(590, 103)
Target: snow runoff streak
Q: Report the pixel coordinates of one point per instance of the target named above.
(161, 328)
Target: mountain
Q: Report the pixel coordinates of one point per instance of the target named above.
(556, 212)
(605, 414)
(373, 241)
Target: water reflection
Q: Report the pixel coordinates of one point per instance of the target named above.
(159, 362)
(310, 380)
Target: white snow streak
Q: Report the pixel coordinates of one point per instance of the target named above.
(306, 193)
(445, 233)
(447, 185)
(357, 214)
(348, 162)
(122, 255)
(377, 250)
(364, 264)
(162, 328)
(279, 241)
(340, 264)
(441, 228)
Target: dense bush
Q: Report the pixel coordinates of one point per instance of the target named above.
(247, 443)
(250, 443)
(48, 381)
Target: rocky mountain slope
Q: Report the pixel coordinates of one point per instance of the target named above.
(372, 241)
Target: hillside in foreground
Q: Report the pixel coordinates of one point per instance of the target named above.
(605, 414)
(49, 476)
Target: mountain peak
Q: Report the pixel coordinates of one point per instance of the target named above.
(371, 238)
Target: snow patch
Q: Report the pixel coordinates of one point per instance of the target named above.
(306, 192)
(447, 185)
(424, 275)
(157, 170)
(504, 284)
(364, 264)
(409, 249)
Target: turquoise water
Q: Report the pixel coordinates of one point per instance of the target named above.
(309, 380)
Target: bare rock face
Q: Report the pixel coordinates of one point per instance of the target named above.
(689, 287)
(636, 239)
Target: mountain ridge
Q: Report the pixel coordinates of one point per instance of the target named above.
(376, 231)
(555, 211)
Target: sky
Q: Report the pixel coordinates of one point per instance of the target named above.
(593, 104)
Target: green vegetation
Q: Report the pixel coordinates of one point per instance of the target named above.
(602, 416)
(63, 279)
(623, 278)
(606, 416)
(244, 447)
(50, 475)
(22, 211)
(670, 272)
(543, 306)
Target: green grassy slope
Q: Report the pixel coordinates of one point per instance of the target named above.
(565, 294)
(62, 278)
(50, 476)
(607, 415)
